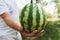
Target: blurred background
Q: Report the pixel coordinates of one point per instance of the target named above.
(52, 8)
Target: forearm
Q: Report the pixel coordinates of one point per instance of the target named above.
(11, 22)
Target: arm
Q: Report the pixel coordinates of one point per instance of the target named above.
(15, 25)
(11, 22)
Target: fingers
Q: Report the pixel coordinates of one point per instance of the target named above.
(30, 34)
(34, 32)
(41, 31)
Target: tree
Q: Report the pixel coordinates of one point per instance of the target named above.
(57, 2)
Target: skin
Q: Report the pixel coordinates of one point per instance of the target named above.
(15, 25)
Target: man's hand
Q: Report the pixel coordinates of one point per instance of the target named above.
(29, 34)
(40, 33)
(34, 33)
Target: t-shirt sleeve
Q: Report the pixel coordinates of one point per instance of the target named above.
(3, 7)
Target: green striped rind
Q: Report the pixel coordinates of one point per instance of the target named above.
(32, 17)
(37, 18)
(23, 17)
(22, 14)
(45, 18)
(41, 18)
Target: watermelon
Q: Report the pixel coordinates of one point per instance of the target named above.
(32, 17)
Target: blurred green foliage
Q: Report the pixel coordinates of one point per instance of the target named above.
(52, 31)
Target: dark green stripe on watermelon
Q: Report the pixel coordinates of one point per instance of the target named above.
(44, 18)
(22, 16)
(37, 18)
(30, 17)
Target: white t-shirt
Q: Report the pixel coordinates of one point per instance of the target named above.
(11, 7)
